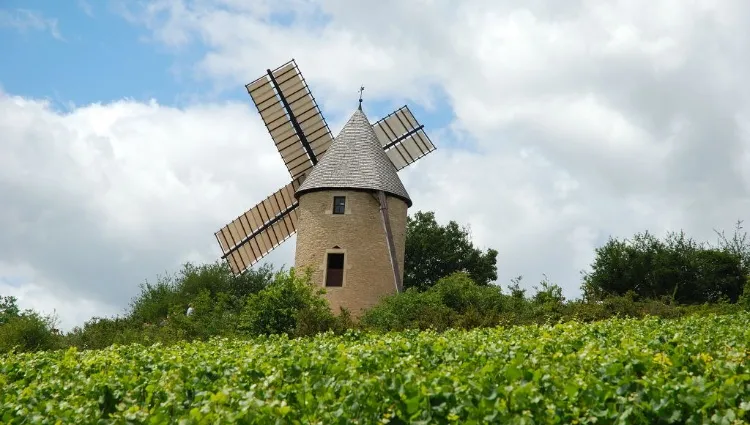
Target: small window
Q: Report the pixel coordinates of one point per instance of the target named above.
(335, 269)
(339, 204)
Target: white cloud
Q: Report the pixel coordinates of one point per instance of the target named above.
(585, 119)
(50, 297)
(101, 198)
(24, 20)
(86, 8)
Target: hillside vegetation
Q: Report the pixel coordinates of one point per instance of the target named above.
(692, 370)
(661, 335)
(450, 286)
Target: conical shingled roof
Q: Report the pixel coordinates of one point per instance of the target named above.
(355, 160)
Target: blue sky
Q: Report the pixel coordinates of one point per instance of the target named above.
(81, 52)
(98, 57)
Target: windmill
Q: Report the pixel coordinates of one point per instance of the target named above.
(302, 137)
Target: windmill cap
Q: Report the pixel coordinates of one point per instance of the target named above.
(355, 161)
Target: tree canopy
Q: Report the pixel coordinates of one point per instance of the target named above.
(677, 267)
(434, 251)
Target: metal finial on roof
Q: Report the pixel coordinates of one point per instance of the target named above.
(361, 89)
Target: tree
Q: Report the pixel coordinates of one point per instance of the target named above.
(677, 268)
(8, 308)
(24, 330)
(173, 293)
(739, 245)
(434, 251)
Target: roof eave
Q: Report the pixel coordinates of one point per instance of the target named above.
(299, 193)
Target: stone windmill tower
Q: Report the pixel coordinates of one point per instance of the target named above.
(352, 219)
(345, 201)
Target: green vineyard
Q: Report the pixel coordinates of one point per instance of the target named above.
(652, 371)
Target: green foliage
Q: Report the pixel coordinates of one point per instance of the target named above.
(172, 294)
(434, 251)
(100, 332)
(744, 300)
(454, 301)
(409, 310)
(255, 303)
(217, 279)
(738, 245)
(688, 371)
(291, 304)
(28, 331)
(8, 309)
(677, 268)
(158, 313)
(460, 293)
(627, 306)
(318, 319)
(457, 302)
(638, 278)
(549, 293)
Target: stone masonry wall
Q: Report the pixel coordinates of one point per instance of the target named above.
(359, 234)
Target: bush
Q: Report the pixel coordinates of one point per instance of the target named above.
(211, 283)
(460, 293)
(744, 300)
(217, 279)
(678, 268)
(157, 314)
(98, 333)
(291, 305)
(457, 302)
(213, 315)
(28, 332)
(453, 301)
(410, 309)
(637, 278)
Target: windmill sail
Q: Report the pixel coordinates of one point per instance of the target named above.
(292, 116)
(403, 137)
(302, 137)
(254, 234)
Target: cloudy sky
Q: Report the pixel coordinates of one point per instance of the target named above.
(127, 138)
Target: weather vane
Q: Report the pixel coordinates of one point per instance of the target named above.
(361, 89)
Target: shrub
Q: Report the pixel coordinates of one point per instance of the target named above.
(157, 314)
(457, 302)
(98, 333)
(460, 293)
(410, 309)
(744, 300)
(454, 301)
(678, 267)
(28, 332)
(291, 304)
(206, 284)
